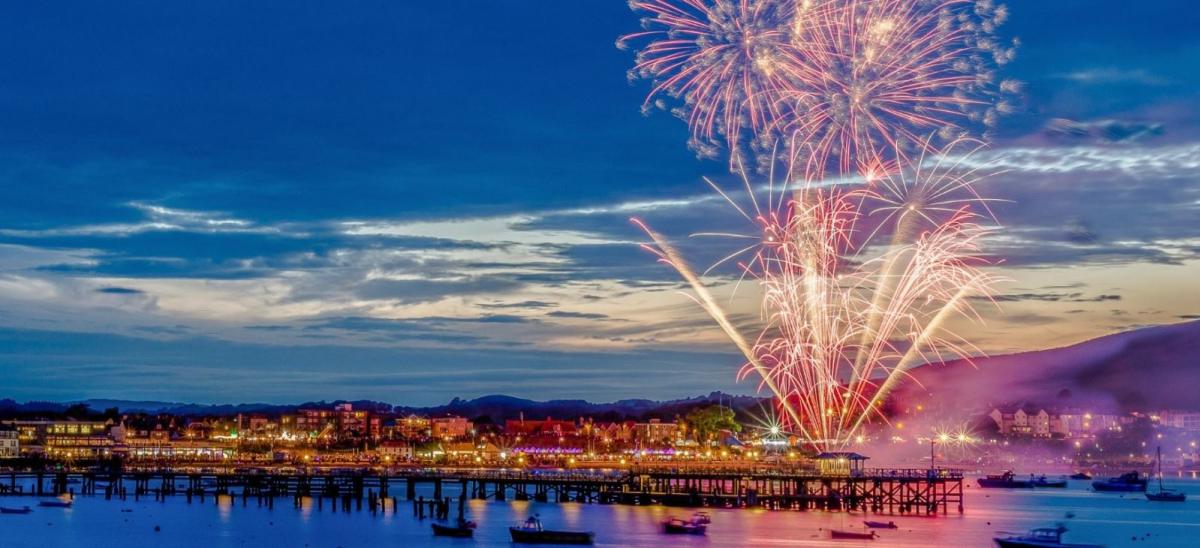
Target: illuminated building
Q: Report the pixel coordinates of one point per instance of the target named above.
(64, 439)
(449, 427)
(395, 450)
(656, 431)
(10, 444)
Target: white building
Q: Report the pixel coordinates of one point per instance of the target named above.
(10, 443)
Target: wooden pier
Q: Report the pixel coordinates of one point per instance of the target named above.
(901, 491)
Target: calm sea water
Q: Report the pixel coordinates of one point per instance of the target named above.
(1110, 519)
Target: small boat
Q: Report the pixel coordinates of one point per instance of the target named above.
(55, 504)
(464, 529)
(1167, 495)
(21, 510)
(531, 532)
(1043, 481)
(527, 536)
(1045, 537)
(1007, 480)
(1080, 476)
(834, 533)
(1128, 482)
(1163, 494)
(881, 525)
(676, 526)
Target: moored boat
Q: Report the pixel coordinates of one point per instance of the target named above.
(55, 503)
(1125, 483)
(1007, 480)
(881, 525)
(1167, 495)
(531, 532)
(461, 530)
(1043, 481)
(21, 510)
(847, 535)
(676, 526)
(1044, 537)
(531, 536)
(1081, 476)
(1163, 494)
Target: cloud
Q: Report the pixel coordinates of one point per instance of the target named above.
(269, 327)
(1111, 131)
(429, 290)
(578, 315)
(1114, 75)
(119, 291)
(521, 304)
(1176, 160)
(1055, 297)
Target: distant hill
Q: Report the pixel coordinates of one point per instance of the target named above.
(496, 407)
(500, 408)
(1153, 368)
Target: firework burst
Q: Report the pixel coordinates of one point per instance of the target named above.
(877, 76)
(727, 61)
(868, 249)
(859, 281)
(846, 79)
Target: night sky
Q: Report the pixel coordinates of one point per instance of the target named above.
(220, 202)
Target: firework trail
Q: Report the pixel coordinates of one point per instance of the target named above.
(868, 248)
(858, 283)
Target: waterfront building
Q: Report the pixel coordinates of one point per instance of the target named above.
(258, 423)
(179, 450)
(395, 450)
(1187, 421)
(343, 421)
(316, 423)
(449, 427)
(548, 427)
(656, 432)
(412, 427)
(63, 438)
(10, 443)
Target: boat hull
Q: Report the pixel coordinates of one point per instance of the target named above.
(685, 529)
(880, 525)
(989, 483)
(447, 531)
(1020, 543)
(851, 535)
(1166, 497)
(1110, 487)
(550, 537)
(25, 510)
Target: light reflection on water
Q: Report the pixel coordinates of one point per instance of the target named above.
(1112, 519)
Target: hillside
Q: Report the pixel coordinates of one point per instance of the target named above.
(1152, 368)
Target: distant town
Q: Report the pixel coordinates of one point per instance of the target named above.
(376, 435)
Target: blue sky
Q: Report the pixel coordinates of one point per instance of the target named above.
(298, 200)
